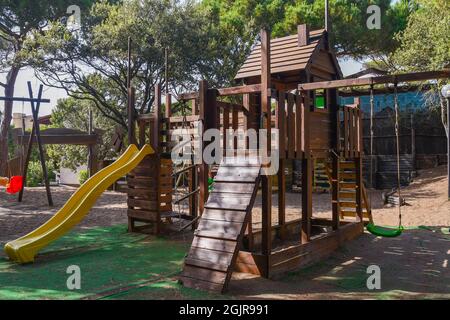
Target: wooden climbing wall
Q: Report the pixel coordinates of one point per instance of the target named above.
(149, 191)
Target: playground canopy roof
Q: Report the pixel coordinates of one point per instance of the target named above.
(288, 56)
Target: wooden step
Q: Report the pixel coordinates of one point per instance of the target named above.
(347, 204)
(346, 213)
(347, 165)
(347, 185)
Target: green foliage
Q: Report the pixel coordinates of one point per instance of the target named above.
(93, 60)
(74, 114)
(34, 173)
(350, 35)
(20, 18)
(425, 43)
(83, 175)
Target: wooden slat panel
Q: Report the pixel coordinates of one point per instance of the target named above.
(200, 284)
(346, 130)
(290, 127)
(298, 126)
(143, 215)
(220, 226)
(281, 122)
(214, 244)
(243, 177)
(224, 215)
(218, 257)
(226, 125)
(240, 162)
(206, 264)
(351, 133)
(227, 203)
(146, 204)
(148, 194)
(141, 182)
(202, 274)
(224, 187)
(215, 235)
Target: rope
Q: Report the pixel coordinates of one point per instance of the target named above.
(371, 134)
(397, 141)
(180, 178)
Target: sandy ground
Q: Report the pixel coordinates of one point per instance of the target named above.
(415, 264)
(426, 203)
(17, 219)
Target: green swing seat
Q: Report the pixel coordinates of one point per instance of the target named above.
(388, 232)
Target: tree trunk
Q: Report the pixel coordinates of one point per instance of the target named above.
(7, 117)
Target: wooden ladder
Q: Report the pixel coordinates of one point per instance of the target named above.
(211, 258)
(347, 191)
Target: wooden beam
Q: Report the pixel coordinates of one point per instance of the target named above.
(406, 77)
(157, 124)
(307, 186)
(17, 99)
(282, 198)
(203, 168)
(168, 107)
(76, 139)
(252, 88)
(188, 96)
(131, 115)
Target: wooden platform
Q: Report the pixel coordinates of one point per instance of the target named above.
(209, 263)
(298, 255)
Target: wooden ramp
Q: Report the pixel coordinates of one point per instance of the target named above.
(209, 263)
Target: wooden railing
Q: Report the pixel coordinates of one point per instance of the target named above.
(350, 145)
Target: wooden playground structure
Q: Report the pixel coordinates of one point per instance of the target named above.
(299, 76)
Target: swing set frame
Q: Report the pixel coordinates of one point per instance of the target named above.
(371, 82)
(35, 135)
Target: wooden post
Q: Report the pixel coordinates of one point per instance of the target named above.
(131, 117)
(358, 165)
(37, 130)
(208, 115)
(90, 146)
(333, 110)
(26, 162)
(281, 126)
(193, 200)
(413, 142)
(307, 172)
(266, 180)
(282, 198)
(168, 111)
(157, 147)
(302, 35)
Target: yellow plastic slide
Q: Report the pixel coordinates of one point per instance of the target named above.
(24, 249)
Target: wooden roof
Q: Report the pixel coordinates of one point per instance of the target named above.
(285, 55)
